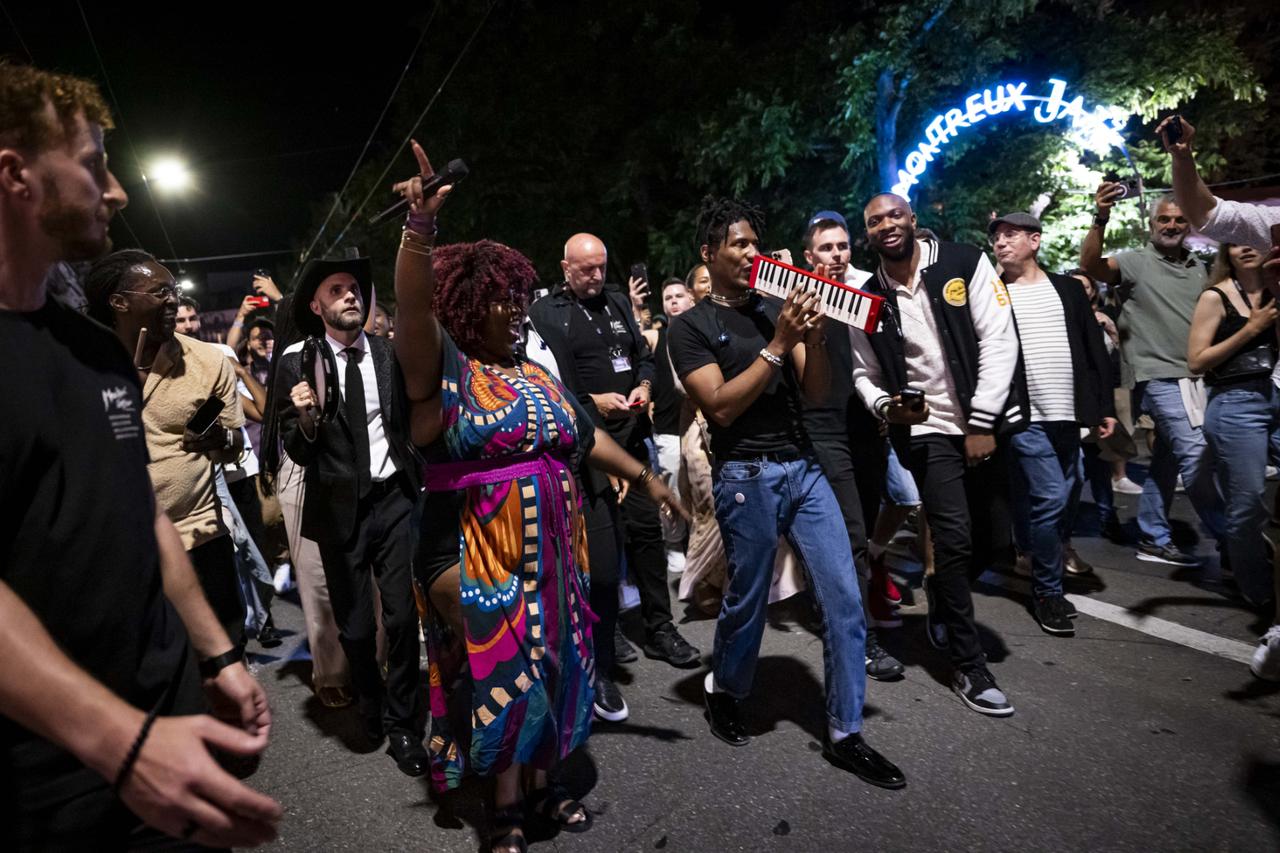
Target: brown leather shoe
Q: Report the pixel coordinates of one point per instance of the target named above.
(334, 697)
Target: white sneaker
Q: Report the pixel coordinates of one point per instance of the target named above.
(1178, 487)
(1273, 472)
(283, 578)
(1266, 658)
(1125, 486)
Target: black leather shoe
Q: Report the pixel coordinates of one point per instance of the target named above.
(853, 754)
(667, 644)
(408, 752)
(724, 713)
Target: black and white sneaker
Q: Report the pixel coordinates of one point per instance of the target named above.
(609, 704)
(1150, 552)
(1051, 613)
(977, 689)
(1069, 608)
(881, 665)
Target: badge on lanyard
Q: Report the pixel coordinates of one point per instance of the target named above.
(621, 364)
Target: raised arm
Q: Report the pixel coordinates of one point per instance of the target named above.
(1091, 259)
(1189, 191)
(724, 401)
(419, 339)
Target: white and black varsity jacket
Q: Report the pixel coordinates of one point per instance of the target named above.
(979, 339)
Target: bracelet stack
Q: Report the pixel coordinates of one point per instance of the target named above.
(416, 243)
(645, 475)
(775, 360)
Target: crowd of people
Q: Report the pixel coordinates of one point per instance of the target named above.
(492, 474)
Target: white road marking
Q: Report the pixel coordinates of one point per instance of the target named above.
(1152, 626)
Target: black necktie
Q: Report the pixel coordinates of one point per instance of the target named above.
(354, 400)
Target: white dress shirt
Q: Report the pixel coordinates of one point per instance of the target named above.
(381, 465)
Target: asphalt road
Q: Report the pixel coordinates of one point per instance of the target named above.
(1121, 741)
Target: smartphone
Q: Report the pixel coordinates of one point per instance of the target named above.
(1128, 185)
(206, 416)
(259, 302)
(640, 271)
(1173, 130)
(636, 404)
(912, 398)
(1275, 235)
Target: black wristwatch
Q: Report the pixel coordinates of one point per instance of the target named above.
(1101, 220)
(210, 667)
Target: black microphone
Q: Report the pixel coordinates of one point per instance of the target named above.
(452, 174)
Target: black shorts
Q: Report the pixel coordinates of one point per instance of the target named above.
(438, 548)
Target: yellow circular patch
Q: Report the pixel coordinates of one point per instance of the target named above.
(954, 292)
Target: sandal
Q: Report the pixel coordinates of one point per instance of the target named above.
(506, 829)
(554, 804)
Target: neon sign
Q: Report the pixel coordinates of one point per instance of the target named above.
(1096, 130)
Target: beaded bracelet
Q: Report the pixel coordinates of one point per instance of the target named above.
(132, 757)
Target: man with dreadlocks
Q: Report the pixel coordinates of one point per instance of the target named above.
(745, 362)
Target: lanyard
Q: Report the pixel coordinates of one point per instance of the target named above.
(1244, 297)
(612, 338)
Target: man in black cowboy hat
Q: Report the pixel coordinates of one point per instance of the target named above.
(359, 490)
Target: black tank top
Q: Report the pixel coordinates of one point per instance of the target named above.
(1253, 360)
(666, 399)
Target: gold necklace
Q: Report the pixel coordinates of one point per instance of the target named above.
(729, 301)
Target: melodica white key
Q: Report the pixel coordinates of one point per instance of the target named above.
(840, 302)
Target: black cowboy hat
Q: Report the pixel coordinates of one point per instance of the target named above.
(317, 271)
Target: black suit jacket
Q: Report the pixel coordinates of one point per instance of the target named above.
(330, 501)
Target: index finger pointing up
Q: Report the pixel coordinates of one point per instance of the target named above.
(424, 165)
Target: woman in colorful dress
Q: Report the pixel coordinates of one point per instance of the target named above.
(502, 556)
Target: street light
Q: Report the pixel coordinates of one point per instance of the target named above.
(169, 175)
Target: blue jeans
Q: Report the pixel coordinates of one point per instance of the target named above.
(1179, 449)
(1238, 424)
(1045, 471)
(899, 485)
(1097, 474)
(758, 501)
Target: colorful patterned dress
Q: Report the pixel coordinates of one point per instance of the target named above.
(524, 578)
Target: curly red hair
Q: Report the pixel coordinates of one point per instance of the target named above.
(470, 277)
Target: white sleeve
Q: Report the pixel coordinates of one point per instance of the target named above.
(992, 314)
(868, 379)
(1244, 224)
(536, 349)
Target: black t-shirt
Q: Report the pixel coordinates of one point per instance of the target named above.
(77, 524)
(732, 338)
(597, 336)
(666, 399)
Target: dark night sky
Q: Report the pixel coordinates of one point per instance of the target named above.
(269, 105)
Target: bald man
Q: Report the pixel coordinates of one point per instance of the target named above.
(604, 360)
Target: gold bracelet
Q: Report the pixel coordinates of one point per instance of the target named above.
(645, 475)
(408, 235)
(415, 250)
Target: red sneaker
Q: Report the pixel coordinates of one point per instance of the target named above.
(880, 613)
(881, 584)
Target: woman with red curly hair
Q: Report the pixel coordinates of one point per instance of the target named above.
(502, 557)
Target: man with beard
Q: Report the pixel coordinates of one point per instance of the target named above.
(131, 292)
(360, 484)
(746, 362)
(945, 331)
(101, 618)
(848, 445)
(1158, 286)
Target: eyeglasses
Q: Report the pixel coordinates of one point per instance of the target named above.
(165, 293)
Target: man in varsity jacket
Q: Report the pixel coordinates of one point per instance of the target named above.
(1068, 385)
(945, 330)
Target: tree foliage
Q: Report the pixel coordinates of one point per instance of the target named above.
(617, 119)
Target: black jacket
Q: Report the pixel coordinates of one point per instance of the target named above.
(331, 496)
(1090, 363)
(960, 284)
(551, 316)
